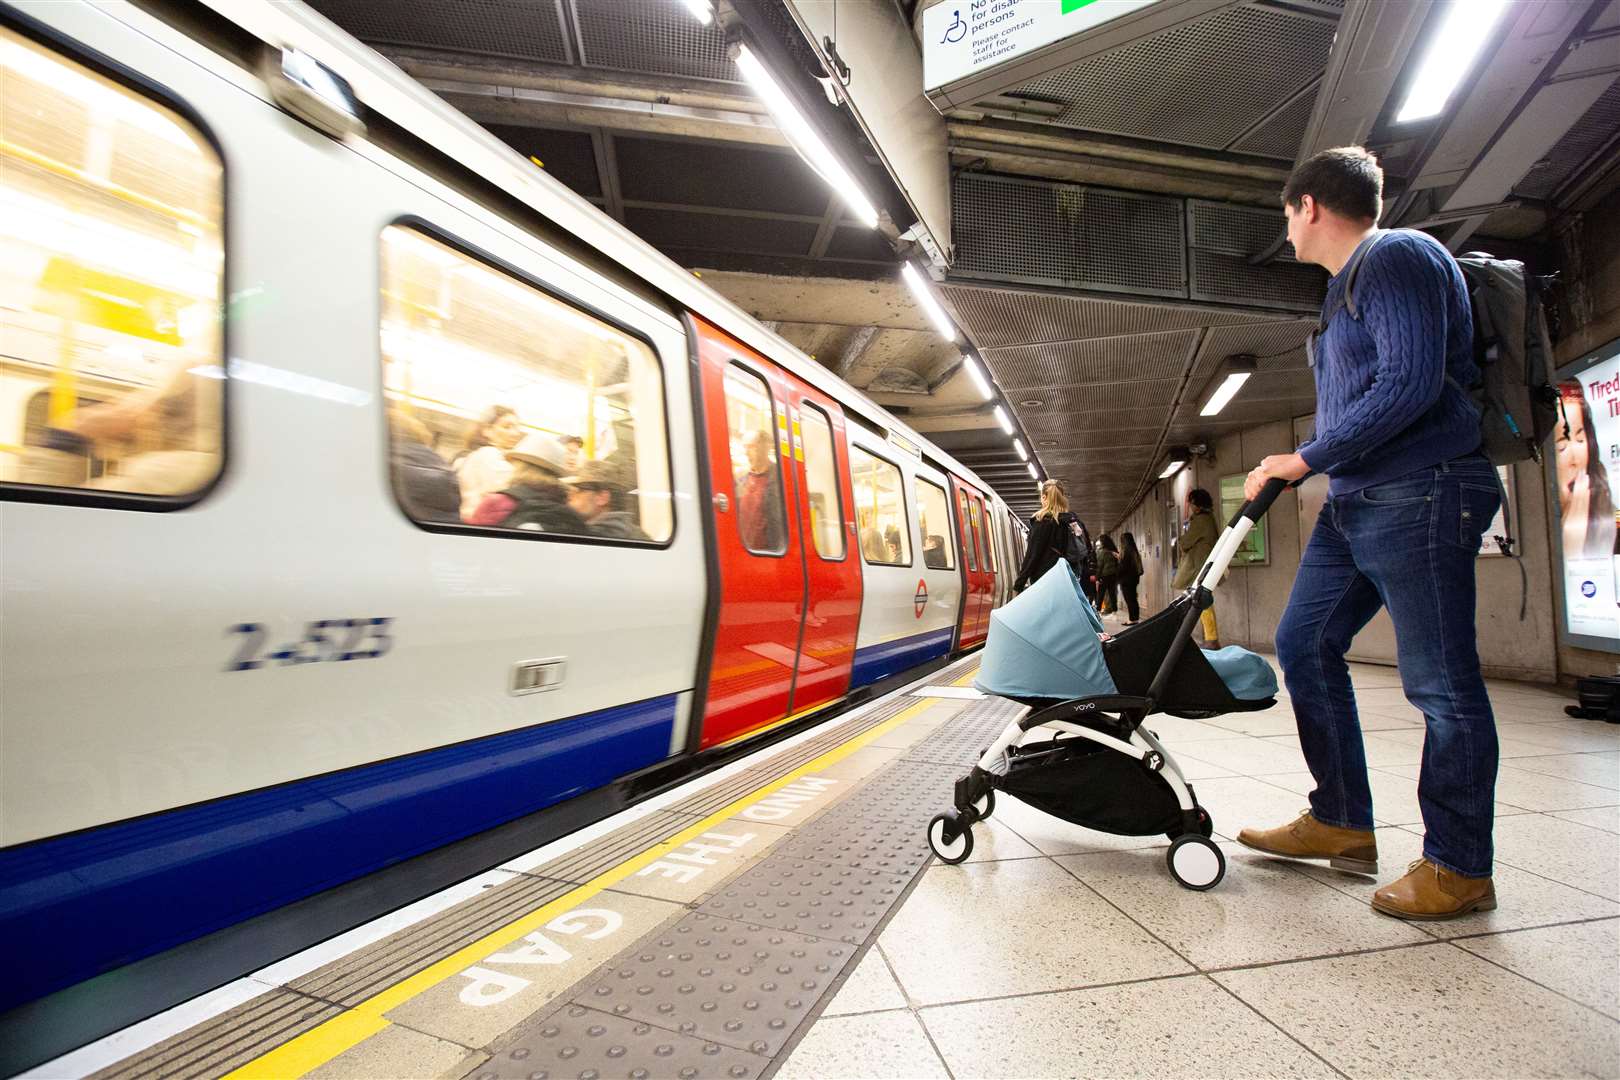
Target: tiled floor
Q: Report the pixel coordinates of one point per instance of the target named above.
(1056, 951)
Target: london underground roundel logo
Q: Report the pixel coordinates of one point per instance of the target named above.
(920, 601)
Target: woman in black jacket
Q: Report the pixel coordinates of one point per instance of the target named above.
(1051, 531)
(1130, 574)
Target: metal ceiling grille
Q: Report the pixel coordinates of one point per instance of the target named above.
(1223, 237)
(1104, 437)
(1202, 84)
(1280, 137)
(1106, 419)
(1065, 234)
(1000, 317)
(662, 38)
(517, 29)
(1107, 360)
(1593, 131)
(1088, 399)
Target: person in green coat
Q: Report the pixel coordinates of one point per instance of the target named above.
(1198, 537)
(1107, 574)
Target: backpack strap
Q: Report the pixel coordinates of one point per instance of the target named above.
(1352, 271)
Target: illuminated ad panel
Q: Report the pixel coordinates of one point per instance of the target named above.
(1586, 474)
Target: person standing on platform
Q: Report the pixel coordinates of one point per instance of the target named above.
(1054, 534)
(1107, 574)
(1130, 575)
(1409, 499)
(1197, 541)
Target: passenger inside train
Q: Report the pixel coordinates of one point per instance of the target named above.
(591, 495)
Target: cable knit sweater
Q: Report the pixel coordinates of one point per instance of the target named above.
(1383, 405)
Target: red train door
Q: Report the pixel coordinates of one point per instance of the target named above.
(980, 513)
(971, 630)
(832, 613)
(785, 637)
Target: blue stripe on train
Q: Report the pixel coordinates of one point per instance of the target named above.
(85, 903)
(880, 661)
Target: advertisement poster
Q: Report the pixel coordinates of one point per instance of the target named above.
(1586, 439)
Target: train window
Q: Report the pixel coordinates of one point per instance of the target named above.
(111, 369)
(968, 552)
(510, 409)
(821, 483)
(934, 518)
(880, 510)
(982, 536)
(756, 470)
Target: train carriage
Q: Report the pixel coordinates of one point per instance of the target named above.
(252, 649)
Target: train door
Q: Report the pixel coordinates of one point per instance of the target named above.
(973, 581)
(756, 537)
(980, 512)
(832, 611)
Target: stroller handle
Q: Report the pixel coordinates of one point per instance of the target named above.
(1256, 508)
(1237, 530)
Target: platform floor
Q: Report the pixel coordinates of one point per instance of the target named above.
(788, 918)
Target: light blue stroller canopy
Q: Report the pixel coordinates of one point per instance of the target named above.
(1043, 643)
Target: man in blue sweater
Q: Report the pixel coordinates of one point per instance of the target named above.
(1409, 499)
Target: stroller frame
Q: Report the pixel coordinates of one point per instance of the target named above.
(1111, 722)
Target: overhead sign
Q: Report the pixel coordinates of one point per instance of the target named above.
(969, 37)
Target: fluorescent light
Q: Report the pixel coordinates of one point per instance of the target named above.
(701, 11)
(976, 373)
(1456, 44)
(1004, 420)
(1033, 475)
(1171, 469)
(925, 298)
(1018, 445)
(797, 130)
(1224, 394)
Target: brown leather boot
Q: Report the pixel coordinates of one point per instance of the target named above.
(1352, 850)
(1432, 892)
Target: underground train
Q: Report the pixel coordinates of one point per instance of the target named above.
(363, 489)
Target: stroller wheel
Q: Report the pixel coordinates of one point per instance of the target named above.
(949, 839)
(1195, 862)
(985, 805)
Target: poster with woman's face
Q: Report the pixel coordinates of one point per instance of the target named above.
(1586, 469)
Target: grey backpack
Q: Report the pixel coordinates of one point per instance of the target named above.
(1517, 404)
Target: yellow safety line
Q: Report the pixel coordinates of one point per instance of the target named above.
(321, 1044)
(966, 679)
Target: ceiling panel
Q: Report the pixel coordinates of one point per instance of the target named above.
(515, 29)
(635, 35)
(1065, 234)
(1203, 83)
(999, 317)
(1105, 360)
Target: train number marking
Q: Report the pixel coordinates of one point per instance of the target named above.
(317, 645)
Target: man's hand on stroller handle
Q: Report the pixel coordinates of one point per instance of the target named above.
(1289, 467)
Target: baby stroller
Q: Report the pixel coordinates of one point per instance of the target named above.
(1092, 762)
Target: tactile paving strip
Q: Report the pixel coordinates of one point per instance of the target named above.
(841, 903)
(729, 982)
(962, 740)
(355, 977)
(229, 1040)
(609, 851)
(878, 827)
(581, 1042)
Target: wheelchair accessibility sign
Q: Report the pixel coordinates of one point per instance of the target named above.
(966, 37)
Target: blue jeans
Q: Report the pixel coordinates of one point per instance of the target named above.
(1408, 544)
